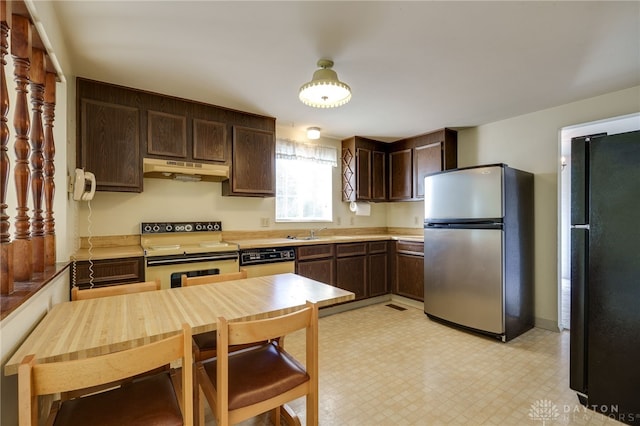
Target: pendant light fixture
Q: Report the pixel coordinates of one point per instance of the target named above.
(325, 90)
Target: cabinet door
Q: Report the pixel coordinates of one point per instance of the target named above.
(378, 274)
(378, 176)
(410, 276)
(254, 163)
(400, 175)
(109, 272)
(167, 135)
(351, 275)
(109, 145)
(427, 159)
(363, 176)
(209, 140)
(320, 270)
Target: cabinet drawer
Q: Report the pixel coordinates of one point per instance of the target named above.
(410, 247)
(110, 271)
(351, 249)
(378, 247)
(315, 252)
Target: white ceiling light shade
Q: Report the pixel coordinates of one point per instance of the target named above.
(313, 133)
(325, 90)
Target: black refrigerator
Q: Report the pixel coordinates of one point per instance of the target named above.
(605, 274)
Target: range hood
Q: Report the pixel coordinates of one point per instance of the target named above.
(184, 170)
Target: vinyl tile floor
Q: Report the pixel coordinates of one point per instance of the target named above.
(384, 366)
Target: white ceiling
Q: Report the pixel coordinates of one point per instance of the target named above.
(413, 66)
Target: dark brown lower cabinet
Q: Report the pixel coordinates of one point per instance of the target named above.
(316, 262)
(351, 268)
(362, 268)
(378, 268)
(409, 269)
(108, 272)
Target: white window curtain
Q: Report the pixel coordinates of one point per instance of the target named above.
(292, 150)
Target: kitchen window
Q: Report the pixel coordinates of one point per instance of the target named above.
(303, 181)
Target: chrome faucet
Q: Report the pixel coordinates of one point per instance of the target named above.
(312, 232)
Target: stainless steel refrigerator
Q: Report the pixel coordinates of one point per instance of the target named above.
(605, 274)
(478, 249)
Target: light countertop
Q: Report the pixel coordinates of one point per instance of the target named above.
(122, 251)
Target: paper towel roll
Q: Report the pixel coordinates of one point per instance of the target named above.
(360, 208)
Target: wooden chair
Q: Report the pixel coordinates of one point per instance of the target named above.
(210, 279)
(244, 384)
(205, 343)
(113, 290)
(159, 399)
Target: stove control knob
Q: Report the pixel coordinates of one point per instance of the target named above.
(209, 227)
(168, 228)
(188, 227)
(216, 226)
(198, 227)
(156, 228)
(147, 228)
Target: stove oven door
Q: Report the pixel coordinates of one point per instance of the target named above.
(169, 269)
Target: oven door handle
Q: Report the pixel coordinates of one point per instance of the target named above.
(177, 261)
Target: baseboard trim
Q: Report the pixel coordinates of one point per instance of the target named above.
(408, 302)
(546, 324)
(336, 309)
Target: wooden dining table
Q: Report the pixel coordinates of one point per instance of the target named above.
(85, 328)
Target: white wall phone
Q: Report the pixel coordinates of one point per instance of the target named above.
(84, 185)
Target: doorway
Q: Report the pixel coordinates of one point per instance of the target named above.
(613, 125)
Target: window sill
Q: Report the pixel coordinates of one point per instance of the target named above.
(23, 290)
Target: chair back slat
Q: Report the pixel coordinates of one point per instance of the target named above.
(210, 279)
(114, 290)
(270, 328)
(84, 373)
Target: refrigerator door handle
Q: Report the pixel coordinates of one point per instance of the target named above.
(580, 226)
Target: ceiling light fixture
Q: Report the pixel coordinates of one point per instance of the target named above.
(325, 90)
(313, 133)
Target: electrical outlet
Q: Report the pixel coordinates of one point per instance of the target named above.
(264, 222)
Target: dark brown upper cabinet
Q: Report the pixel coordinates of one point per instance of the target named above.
(400, 174)
(378, 171)
(209, 140)
(120, 125)
(433, 152)
(364, 175)
(253, 170)
(108, 139)
(166, 134)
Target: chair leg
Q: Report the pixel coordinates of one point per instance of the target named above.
(199, 410)
(312, 409)
(275, 416)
